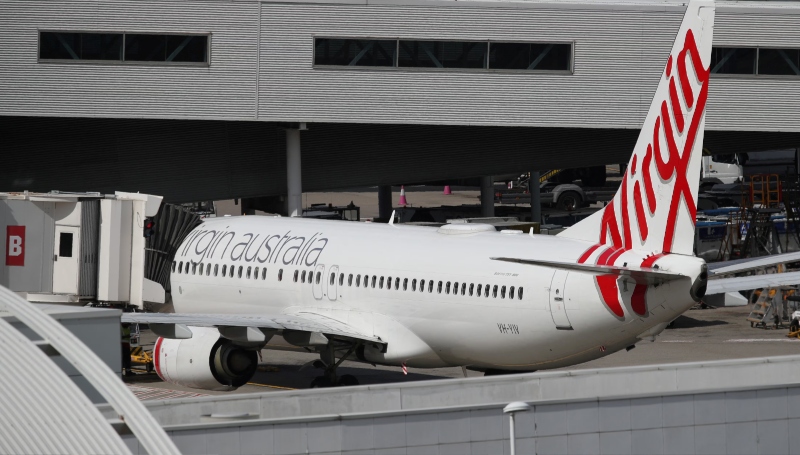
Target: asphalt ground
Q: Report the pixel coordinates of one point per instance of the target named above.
(699, 335)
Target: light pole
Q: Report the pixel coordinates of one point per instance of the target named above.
(511, 409)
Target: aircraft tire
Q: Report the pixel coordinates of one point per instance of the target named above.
(320, 382)
(348, 380)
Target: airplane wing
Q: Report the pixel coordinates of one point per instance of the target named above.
(640, 274)
(743, 265)
(746, 283)
(301, 321)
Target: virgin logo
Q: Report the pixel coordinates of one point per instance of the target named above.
(15, 246)
(674, 168)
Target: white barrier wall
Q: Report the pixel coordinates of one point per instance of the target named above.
(741, 406)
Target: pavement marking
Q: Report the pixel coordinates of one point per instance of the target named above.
(677, 341)
(761, 340)
(270, 386)
(152, 393)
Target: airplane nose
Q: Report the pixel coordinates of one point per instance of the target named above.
(698, 289)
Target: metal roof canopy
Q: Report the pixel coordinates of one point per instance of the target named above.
(44, 411)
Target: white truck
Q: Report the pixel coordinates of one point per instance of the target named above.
(726, 168)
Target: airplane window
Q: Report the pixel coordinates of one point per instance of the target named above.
(173, 265)
(194, 268)
(264, 273)
(201, 268)
(438, 288)
(280, 275)
(486, 291)
(216, 269)
(463, 288)
(414, 284)
(511, 292)
(255, 273)
(358, 280)
(480, 286)
(430, 286)
(333, 279)
(421, 285)
(447, 288)
(374, 279)
(296, 275)
(455, 287)
(303, 277)
(494, 291)
(224, 270)
(405, 284)
(503, 292)
(319, 277)
(249, 271)
(350, 280)
(519, 293)
(240, 271)
(341, 279)
(231, 271)
(380, 286)
(471, 289)
(180, 267)
(397, 283)
(208, 269)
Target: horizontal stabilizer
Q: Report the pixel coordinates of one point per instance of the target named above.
(640, 274)
(743, 265)
(746, 283)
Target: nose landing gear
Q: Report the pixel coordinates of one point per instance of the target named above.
(330, 364)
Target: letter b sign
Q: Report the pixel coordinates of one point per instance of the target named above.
(15, 245)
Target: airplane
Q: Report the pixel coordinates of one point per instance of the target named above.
(462, 294)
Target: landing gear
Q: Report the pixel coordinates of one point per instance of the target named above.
(330, 364)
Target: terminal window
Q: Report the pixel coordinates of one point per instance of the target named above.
(442, 54)
(782, 62)
(123, 47)
(166, 48)
(354, 52)
(80, 46)
(733, 60)
(755, 61)
(531, 56)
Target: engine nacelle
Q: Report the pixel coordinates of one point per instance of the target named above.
(205, 361)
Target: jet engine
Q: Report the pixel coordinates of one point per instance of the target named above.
(205, 361)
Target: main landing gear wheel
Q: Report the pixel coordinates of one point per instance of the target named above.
(330, 364)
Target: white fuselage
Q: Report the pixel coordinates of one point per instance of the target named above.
(425, 327)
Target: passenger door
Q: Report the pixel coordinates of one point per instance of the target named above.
(333, 284)
(558, 300)
(319, 282)
(65, 267)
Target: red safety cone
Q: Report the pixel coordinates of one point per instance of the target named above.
(447, 191)
(403, 201)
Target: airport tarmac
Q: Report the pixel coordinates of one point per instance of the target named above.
(698, 335)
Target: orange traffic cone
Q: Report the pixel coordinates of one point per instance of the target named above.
(447, 191)
(403, 201)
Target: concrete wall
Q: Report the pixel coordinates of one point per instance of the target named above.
(740, 406)
(765, 421)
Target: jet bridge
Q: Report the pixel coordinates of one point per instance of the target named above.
(84, 247)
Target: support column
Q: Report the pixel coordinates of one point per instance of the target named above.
(384, 202)
(294, 176)
(536, 197)
(487, 196)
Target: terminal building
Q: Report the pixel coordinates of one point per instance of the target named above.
(206, 100)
